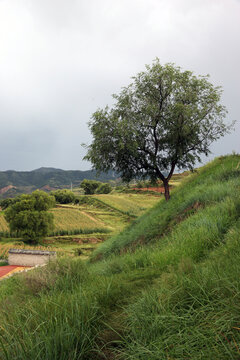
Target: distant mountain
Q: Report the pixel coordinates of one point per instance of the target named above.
(47, 170)
(16, 182)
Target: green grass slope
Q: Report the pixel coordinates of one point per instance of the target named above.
(210, 186)
(167, 287)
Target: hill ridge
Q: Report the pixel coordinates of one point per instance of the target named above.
(27, 181)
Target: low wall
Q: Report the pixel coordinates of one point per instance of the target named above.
(30, 257)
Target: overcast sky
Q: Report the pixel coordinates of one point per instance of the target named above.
(60, 60)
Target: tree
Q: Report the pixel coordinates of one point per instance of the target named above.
(7, 202)
(104, 188)
(29, 216)
(63, 196)
(166, 118)
(89, 186)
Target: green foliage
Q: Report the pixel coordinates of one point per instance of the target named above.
(8, 202)
(166, 118)
(64, 196)
(89, 186)
(104, 188)
(29, 216)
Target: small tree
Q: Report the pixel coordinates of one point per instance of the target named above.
(165, 119)
(89, 186)
(63, 196)
(104, 188)
(29, 216)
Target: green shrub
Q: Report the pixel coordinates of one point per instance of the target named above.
(63, 196)
(104, 188)
(89, 186)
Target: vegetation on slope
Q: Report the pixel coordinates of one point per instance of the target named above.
(209, 186)
(131, 204)
(52, 177)
(168, 287)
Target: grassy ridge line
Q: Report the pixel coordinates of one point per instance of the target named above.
(193, 238)
(211, 184)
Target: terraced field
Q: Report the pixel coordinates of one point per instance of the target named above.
(3, 223)
(108, 211)
(132, 204)
(79, 229)
(70, 218)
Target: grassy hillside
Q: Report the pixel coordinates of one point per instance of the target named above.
(166, 287)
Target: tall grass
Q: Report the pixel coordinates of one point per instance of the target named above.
(190, 313)
(168, 287)
(208, 186)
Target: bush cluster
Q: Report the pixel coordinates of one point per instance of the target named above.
(95, 187)
(29, 216)
(64, 196)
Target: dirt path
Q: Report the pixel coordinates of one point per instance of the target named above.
(92, 218)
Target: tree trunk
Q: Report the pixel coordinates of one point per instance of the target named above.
(166, 188)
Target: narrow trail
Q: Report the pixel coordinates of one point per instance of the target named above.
(92, 218)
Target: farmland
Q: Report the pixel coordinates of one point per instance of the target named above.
(132, 204)
(69, 218)
(3, 223)
(80, 228)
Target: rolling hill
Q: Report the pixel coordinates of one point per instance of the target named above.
(13, 183)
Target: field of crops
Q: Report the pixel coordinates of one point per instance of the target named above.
(134, 204)
(79, 229)
(112, 211)
(3, 223)
(70, 218)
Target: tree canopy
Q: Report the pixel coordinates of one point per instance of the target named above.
(29, 217)
(63, 196)
(166, 118)
(91, 187)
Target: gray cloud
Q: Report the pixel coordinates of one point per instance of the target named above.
(61, 60)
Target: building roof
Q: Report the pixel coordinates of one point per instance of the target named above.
(31, 252)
